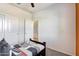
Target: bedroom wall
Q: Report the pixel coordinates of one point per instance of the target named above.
(56, 26)
(13, 24)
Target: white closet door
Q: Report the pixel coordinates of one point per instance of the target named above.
(1, 18)
(1, 26)
(28, 30)
(11, 29)
(21, 30)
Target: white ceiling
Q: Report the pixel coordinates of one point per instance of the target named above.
(28, 7)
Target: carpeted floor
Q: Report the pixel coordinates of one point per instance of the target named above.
(50, 52)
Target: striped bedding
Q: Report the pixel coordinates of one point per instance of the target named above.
(31, 50)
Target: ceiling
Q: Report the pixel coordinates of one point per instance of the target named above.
(28, 7)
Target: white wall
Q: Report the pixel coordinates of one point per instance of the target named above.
(57, 27)
(13, 24)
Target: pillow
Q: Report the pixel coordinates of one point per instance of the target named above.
(4, 48)
(17, 46)
(3, 43)
(32, 43)
(39, 47)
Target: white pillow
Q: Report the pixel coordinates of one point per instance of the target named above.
(39, 47)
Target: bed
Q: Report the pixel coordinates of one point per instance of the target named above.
(35, 48)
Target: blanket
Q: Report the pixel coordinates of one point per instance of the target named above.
(31, 51)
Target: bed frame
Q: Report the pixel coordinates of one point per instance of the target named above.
(43, 52)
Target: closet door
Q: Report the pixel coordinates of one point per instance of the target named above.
(1, 26)
(21, 30)
(11, 29)
(28, 30)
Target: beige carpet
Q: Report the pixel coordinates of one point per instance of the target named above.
(50, 52)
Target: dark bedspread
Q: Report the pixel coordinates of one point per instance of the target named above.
(33, 50)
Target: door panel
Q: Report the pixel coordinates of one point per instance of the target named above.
(77, 29)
